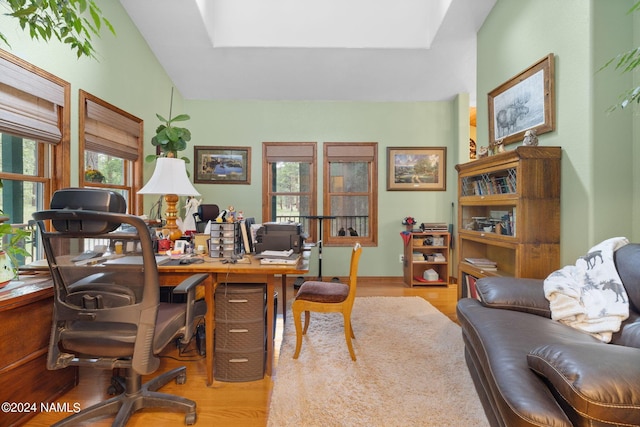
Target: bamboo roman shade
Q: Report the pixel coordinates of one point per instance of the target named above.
(108, 131)
(29, 104)
(350, 152)
(284, 152)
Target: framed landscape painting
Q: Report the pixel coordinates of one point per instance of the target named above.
(222, 165)
(526, 101)
(416, 168)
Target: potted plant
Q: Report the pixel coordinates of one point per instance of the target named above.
(627, 62)
(170, 138)
(93, 175)
(11, 246)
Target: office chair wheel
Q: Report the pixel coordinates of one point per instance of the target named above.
(190, 419)
(182, 378)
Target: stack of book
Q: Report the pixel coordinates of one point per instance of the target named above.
(438, 257)
(483, 263)
(434, 226)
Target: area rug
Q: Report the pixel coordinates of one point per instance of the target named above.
(410, 370)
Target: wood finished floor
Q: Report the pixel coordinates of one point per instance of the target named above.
(240, 404)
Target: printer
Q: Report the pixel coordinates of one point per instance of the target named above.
(280, 236)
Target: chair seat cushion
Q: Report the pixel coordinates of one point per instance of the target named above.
(316, 291)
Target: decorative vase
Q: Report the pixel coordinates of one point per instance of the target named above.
(7, 272)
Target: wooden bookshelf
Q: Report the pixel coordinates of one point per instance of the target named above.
(509, 212)
(428, 250)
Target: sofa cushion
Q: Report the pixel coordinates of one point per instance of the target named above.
(627, 259)
(597, 381)
(629, 333)
(498, 342)
(526, 295)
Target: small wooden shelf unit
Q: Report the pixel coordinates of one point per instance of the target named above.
(428, 250)
(509, 212)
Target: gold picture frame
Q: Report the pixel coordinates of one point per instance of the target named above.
(416, 168)
(222, 165)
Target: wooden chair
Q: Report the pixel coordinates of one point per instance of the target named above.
(327, 297)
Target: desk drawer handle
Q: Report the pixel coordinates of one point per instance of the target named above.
(235, 331)
(239, 360)
(238, 300)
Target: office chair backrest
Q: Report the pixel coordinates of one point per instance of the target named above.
(112, 302)
(208, 212)
(87, 199)
(205, 213)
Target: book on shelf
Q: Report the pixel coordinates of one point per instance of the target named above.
(491, 184)
(484, 263)
(470, 290)
(438, 257)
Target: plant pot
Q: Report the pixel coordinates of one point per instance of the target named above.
(7, 272)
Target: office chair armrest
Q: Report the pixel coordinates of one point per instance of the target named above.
(188, 286)
(190, 283)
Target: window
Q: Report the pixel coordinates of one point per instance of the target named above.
(111, 147)
(34, 139)
(350, 193)
(289, 183)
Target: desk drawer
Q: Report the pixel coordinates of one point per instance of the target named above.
(238, 336)
(238, 302)
(237, 366)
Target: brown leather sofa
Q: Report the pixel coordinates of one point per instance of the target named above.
(530, 370)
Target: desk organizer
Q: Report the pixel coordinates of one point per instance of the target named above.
(225, 240)
(240, 334)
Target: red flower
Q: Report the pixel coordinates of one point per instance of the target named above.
(408, 221)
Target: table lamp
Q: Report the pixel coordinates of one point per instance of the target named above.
(170, 179)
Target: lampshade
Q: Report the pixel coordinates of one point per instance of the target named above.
(169, 177)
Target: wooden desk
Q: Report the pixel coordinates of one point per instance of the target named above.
(241, 272)
(26, 308)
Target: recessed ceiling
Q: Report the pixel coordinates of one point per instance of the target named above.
(346, 50)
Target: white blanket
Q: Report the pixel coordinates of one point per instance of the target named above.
(589, 295)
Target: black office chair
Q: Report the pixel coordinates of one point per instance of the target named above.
(107, 311)
(205, 213)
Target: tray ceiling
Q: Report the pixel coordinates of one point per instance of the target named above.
(355, 50)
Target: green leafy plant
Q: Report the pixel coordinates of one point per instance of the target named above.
(170, 138)
(12, 241)
(66, 20)
(627, 62)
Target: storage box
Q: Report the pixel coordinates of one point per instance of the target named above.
(430, 275)
(238, 366)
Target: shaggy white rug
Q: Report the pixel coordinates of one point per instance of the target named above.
(410, 370)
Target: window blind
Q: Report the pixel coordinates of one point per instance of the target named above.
(350, 152)
(29, 104)
(290, 152)
(109, 131)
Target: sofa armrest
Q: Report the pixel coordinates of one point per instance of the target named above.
(598, 381)
(509, 293)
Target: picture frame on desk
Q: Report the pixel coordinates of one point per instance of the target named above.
(222, 165)
(416, 168)
(179, 246)
(524, 102)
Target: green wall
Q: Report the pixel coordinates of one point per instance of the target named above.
(125, 74)
(598, 147)
(128, 76)
(249, 123)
